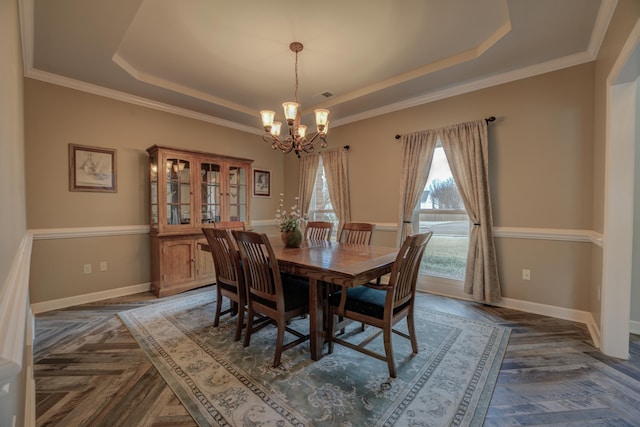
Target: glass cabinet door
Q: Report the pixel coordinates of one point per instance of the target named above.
(237, 193)
(178, 191)
(210, 192)
(153, 163)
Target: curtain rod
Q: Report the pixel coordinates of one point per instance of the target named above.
(488, 120)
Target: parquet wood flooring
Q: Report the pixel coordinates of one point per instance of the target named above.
(89, 371)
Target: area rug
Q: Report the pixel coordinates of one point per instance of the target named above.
(449, 382)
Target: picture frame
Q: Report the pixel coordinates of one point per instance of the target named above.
(261, 183)
(92, 169)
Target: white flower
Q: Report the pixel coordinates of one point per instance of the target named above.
(287, 221)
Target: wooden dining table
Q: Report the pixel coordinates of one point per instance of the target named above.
(343, 264)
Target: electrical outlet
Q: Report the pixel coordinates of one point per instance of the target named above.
(526, 274)
(103, 265)
(87, 269)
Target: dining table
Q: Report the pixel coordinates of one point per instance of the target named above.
(325, 262)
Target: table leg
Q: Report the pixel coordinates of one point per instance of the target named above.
(316, 339)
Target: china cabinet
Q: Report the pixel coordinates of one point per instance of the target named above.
(190, 190)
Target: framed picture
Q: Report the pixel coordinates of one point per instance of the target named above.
(261, 183)
(92, 169)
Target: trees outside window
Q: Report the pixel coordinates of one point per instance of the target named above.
(441, 210)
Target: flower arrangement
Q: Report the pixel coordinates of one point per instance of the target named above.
(288, 221)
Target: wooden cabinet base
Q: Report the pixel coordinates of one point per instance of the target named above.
(178, 264)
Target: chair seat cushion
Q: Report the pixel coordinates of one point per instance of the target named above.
(296, 291)
(362, 300)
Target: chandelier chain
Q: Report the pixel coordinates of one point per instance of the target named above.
(296, 93)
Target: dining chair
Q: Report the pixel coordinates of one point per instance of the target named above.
(229, 276)
(382, 306)
(318, 230)
(230, 225)
(359, 233)
(278, 297)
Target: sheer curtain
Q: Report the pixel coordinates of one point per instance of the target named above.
(308, 169)
(467, 148)
(417, 152)
(336, 170)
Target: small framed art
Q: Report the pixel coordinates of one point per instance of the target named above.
(261, 183)
(92, 169)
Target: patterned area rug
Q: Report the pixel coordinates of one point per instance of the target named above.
(449, 382)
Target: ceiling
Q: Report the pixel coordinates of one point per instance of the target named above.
(224, 61)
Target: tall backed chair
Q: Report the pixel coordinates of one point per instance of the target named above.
(382, 306)
(318, 230)
(276, 296)
(229, 276)
(230, 225)
(359, 233)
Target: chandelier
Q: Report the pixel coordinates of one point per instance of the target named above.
(296, 139)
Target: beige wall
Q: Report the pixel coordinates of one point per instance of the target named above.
(12, 189)
(57, 116)
(546, 173)
(541, 174)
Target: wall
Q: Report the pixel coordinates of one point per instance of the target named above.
(625, 16)
(13, 207)
(541, 160)
(57, 116)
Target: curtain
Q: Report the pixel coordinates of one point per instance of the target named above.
(308, 170)
(417, 152)
(336, 170)
(467, 149)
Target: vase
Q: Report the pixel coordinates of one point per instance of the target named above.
(292, 239)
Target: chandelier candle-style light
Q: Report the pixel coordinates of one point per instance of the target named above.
(296, 140)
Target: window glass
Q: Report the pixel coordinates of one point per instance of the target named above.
(441, 210)
(321, 208)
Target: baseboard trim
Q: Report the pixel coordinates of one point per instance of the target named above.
(634, 327)
(57, 304)
(453, 289)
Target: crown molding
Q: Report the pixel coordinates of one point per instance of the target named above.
(603, 19)
(59, 80)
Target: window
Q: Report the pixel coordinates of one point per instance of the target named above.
(321, 208)
(441, 210)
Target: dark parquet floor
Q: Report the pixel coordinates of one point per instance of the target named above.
(89, 371)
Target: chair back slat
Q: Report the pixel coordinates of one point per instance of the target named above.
(359, 233)
(404, 274)
(318, 230)
(225, 258)
(261, 270)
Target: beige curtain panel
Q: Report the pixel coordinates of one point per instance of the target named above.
(308, 170)
(417, 152)
(336, 170)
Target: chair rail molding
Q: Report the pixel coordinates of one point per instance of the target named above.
(80, 232)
